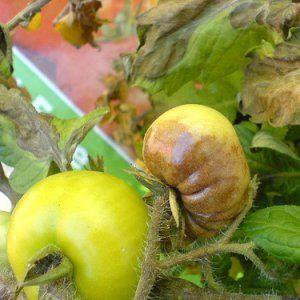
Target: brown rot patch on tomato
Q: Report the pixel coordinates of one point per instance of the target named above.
(209, 171)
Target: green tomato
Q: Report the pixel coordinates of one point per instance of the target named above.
(4, 222)
(97, 221)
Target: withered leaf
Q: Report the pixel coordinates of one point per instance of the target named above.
(79, 21)
(96, 164)
(279, 14)
(30, 141)
(204, 40)
(271, 91)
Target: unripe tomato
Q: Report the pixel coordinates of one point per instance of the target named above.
(195, 149)
(4, 221)
(98, 222)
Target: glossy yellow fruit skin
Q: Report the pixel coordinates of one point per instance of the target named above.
(195, 149)
(97, 220)
(4, 222)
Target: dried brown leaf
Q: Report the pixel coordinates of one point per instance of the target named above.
(79, 22)
(271, 91)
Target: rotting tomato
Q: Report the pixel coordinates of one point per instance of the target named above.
(97, 221)
(195, 149)
(4, 222)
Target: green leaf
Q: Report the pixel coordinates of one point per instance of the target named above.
(279, 133)
(73, 131)
(6, 68)
(182, 41)
(28, 168)
(276, 230)
(279, 172)
(264, 139)
(30, 141)
(220, 95)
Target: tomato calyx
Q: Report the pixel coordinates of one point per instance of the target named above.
(47, 265)
(149, 181)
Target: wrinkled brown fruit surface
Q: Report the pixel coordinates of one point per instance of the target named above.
(195, 149)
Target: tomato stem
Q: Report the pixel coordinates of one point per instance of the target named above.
(26, 13)
(149, 265)
(152, 267)
(209, 278)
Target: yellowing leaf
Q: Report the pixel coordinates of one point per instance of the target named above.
(79, 22)
(71, 30)
(35, 23)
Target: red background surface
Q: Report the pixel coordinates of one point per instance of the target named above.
(77, 72)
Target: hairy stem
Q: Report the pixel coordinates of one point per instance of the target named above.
(259, 264)
(149, 266)
(26, 13)
(209, 278)
(205, 251)
(175, 288)
(280, 174)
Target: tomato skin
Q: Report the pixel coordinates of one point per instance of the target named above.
(4, 222)
(96, 219)
(196, 149)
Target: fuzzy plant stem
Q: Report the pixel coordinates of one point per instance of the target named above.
(245, 249)
(26, 13)
(149, 265)
(209, 277)
(205, 251)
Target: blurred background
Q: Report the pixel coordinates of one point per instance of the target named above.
(68, 81)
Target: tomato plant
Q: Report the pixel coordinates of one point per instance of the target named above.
(220, 156)
(96, 220)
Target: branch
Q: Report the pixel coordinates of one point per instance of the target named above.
(26, 13)
(205, 251)
(175, 288)
(245, 249)
(209, 278)
(280, 174)
(259, 264)
(149, 266)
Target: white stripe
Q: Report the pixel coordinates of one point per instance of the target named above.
(69, 102)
